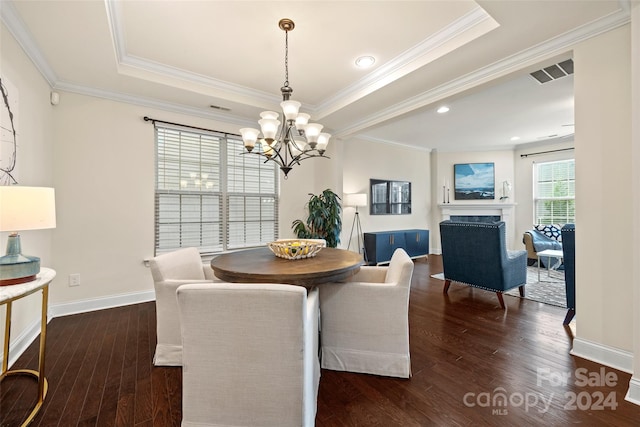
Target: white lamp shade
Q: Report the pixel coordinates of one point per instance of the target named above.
(323, 141)
(290, 109)
(249, 136)
(312, 131)
(302, 120)
(272, 115)
(27, 208)
(269, 128)
(357, 200)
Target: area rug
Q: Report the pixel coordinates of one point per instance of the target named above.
(549, 290)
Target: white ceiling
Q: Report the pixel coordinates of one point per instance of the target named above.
(185, 56)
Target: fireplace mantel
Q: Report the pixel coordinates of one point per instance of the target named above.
(503, 210)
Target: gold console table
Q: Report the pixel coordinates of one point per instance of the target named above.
(11, 293)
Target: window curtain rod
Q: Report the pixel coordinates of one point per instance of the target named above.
(545, 152)
(154, 121)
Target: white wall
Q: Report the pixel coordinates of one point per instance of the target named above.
(33, 168)
(443, 169)
(312, 176)
(104, 175)
(604, 307)
(364, 160)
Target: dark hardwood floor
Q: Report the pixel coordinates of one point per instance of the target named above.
(468, 358)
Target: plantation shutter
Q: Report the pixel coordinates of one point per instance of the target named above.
(210, 196)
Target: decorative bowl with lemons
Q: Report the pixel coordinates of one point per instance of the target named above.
(296, 248)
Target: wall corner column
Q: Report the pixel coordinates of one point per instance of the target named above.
(633, 394)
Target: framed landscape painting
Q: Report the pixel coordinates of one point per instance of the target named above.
(474, 181)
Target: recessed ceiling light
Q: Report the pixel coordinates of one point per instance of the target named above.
(443, 109)
(365, 61)
(515, 138)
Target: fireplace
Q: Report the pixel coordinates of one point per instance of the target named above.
(481, 212)
(475, 218)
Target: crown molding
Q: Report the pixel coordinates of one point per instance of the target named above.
(530, 56)
(388, 142)
(16, 27)
(129, 64)
(138, 67)
(400, 66)
(152, 103)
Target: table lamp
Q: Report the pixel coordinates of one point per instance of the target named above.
(23, 208)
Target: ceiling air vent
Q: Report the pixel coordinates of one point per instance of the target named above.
(217, 107)
(554, 71)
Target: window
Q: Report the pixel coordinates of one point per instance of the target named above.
(554, 192)
(210, 196)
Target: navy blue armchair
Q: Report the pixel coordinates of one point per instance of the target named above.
(569, 257)
(476, 254)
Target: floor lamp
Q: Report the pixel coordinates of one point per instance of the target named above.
(356, 200)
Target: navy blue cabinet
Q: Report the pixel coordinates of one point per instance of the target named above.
(380, 245)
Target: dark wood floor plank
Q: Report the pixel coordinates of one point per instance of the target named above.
(93, 400)
(62, 373)
(144, 393)
(464, 348)
(111, 394)
(23, 398)
(78, 394)
(125, 414)
(174, 388)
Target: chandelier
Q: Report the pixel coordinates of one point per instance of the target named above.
(297, 139)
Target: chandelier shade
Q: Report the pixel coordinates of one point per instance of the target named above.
(297, 139)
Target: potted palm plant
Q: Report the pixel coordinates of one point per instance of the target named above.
(324, 220)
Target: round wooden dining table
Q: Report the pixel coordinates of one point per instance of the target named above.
(262, 266)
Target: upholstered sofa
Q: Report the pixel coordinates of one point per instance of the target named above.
(475, 254)
(540, 238)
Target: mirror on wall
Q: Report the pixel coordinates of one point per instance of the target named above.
(390, 197)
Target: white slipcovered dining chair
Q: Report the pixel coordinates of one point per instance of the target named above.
(365, 321)
(169, 271)
(250, 355)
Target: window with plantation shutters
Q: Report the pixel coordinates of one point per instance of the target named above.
(210, 196)
(554, 192)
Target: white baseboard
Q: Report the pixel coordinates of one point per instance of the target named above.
(633, 394)
(58, 310)
(605, 355)
(93, 304)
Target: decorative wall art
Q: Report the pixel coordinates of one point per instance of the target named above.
(390, 197)
(8, 126)
(474, 181)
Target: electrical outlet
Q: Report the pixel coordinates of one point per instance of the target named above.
(74, 279)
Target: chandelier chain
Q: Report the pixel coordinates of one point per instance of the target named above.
(286, 59)
(278, 143)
